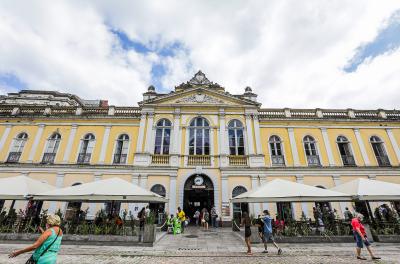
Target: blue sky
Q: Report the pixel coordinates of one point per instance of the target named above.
(292, 54)
(387, 40)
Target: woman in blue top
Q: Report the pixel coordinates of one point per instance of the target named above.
(50, 240)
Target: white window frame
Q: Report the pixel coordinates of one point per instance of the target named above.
(235, 129)
(170, 127)
(203, 136)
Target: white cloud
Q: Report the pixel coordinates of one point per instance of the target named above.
(291, 52)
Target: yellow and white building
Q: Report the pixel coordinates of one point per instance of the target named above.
(198, 145)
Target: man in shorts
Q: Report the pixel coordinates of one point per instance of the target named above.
(267, 220)
(361, 237)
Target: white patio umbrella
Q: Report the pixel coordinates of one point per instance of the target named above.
(286, 191)
(113, 189)
(21, 188)
(370, 190)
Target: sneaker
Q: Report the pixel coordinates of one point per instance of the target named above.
(265, 251)
(279, 251)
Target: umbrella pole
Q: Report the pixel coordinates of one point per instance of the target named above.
(11, 206)
(369, 211)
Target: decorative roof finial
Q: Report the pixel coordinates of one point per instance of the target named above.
(200, 79)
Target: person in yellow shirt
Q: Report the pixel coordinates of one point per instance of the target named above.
(182, 218)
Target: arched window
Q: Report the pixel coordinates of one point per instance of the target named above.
(51, 149)
(379, 151)
(17, 147)
(239, 208)
(236, 139)
(159, 189)
(275, 145)
(163, 137)
(345, 151)
(121, 149)
(199, 137)
(86, 150)
(310, 147)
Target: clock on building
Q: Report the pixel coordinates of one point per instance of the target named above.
(198, 180)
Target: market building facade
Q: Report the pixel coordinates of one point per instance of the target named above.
(198, 146)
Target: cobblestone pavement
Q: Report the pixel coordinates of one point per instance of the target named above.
(214, 247)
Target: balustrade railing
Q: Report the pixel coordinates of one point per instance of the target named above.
(160, 159)
(237, 160)
(13, 157)
(383, 161)
(119, 159)
(313, 160)
(278, 160)
(84, 158)
(348, 160)
(49, 158)
(200, 160)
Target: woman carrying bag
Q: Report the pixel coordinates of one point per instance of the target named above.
(47, 245)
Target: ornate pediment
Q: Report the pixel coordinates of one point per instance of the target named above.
(200, 98)
(199, 79)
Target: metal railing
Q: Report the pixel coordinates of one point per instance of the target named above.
(201, 160)
(13, 157)
(313, 160)
(84, 158)
(160, 159)
(278, 160)
(383, 161)
(237, 160)
(49, 158)
(120, 158)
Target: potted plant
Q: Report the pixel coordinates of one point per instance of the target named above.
(149, 235)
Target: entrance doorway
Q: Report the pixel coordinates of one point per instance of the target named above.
(198, 193)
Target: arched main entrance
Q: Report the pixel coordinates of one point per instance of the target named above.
(198, 194)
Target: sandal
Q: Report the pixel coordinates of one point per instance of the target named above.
(376, 258)
(362, 258)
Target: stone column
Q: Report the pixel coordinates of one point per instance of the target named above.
(263, 180)
(337, 181)
(149, 133)
(92, 206)
(36, 143)
(249, 135)
(223, 139)
(175, 143)
(172, 194)
(293, 146)
(142, 126)
(257, 134)
(4, 137)
(104, 144)
(59, 184)
(255, 185)
(70, 142)
(225, 210)
(328, 146)
(304, 205)
(132, 206)
(394, 143)
(362, 147)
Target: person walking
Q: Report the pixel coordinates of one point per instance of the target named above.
(47, 245)
(206, 218)
(267, 220)
(214, 216)
(196, 216)
(246, 222)
(182, 217)
(361, 237)
(348, 216)
(142, 218)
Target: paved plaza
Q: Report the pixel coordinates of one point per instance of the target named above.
(222, 246)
